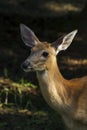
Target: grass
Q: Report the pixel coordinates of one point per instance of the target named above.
(20, 113)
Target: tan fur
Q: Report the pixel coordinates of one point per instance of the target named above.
(68, 97)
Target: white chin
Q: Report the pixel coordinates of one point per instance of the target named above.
(28, 70)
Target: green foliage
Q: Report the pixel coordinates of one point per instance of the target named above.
(25, 83)
(16, 91)
(16, 102)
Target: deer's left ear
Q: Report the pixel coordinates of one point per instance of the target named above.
(64, 42)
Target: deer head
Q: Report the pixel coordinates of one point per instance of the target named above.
(43, 54)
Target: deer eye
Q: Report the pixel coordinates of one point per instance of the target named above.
(45, 54)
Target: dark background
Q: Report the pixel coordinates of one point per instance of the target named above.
(49, 19)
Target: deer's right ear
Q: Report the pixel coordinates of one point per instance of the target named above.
(28, 36)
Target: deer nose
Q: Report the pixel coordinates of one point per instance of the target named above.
(25, 65)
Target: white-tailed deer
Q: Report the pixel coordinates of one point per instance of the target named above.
(68, 97)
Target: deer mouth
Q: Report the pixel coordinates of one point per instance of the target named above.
(27, 67)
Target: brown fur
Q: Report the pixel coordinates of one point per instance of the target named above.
(68, 97)
(72, 104)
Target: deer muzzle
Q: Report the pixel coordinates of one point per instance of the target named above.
(26, 66)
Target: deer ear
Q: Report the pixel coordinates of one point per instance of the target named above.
(64, 42)
(28, 36)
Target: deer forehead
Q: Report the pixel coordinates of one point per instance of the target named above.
(43, 46)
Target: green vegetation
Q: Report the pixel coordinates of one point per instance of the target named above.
(22, 109)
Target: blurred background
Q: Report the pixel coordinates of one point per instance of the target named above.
(22, 106)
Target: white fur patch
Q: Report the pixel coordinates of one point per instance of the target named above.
(49, 91)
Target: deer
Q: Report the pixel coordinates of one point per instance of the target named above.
(66, 96)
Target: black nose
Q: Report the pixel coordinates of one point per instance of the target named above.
(24, 66)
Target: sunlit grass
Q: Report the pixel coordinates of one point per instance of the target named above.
(17, 91)
(25, 115)
(25, 83)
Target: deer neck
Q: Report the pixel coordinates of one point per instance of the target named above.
(53, 87)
